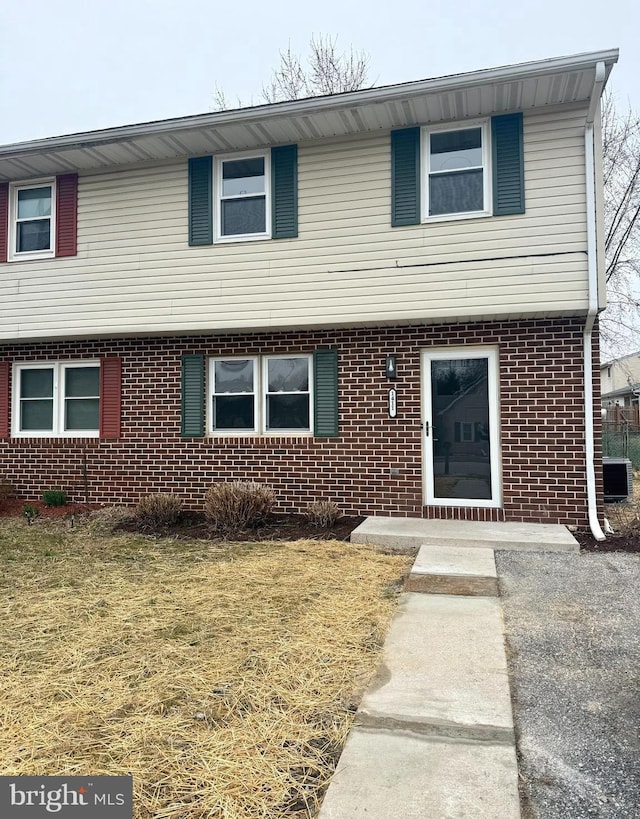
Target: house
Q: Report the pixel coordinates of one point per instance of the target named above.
(387, 298)
(620, 381)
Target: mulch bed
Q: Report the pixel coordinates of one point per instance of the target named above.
(626, 541)
(192, 524)
(279, 527)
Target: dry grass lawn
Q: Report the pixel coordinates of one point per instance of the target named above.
(222, 677)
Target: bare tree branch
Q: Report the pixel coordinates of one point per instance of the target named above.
(324, 70)
(620, 322)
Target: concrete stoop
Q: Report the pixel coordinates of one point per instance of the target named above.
(407, 534)
(433, 737)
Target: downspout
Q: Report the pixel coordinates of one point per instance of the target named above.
(592, 312)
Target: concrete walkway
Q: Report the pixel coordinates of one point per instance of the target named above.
(433, 737)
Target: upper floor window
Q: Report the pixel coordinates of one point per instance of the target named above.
(457, 172)
(31, 218)
(243, 197)
(57, 398)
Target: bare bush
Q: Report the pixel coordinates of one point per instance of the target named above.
(322, 514)
(158, 509)
(236, 505)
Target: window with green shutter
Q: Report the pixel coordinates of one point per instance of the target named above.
(457, 171)
(244, 196)
(262, 395)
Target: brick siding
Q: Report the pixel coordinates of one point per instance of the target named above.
(541, 412)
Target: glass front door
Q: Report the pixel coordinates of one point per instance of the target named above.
(460, 428)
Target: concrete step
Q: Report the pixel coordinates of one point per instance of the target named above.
(454, 570)
(407, 534)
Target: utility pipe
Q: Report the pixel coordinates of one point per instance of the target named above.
(592, 311)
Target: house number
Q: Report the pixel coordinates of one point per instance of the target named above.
(392, 403)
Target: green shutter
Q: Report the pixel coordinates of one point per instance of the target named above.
(192, 396)
(200, 201)
(325, 377)
(508, 164)
(405, 177)
(284, 192)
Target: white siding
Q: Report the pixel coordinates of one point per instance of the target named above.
(135, 272)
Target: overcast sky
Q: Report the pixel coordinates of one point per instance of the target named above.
(79, 65)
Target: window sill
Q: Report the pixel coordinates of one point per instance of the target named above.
(455, 217)
(30, 257)
(248, 237)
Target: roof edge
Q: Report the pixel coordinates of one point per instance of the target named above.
(385, 93)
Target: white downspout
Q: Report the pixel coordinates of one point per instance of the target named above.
(592, 312)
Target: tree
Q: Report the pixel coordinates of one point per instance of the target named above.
(325, 71)
(620, 322)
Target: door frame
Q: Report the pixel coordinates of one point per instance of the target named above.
(491, 353)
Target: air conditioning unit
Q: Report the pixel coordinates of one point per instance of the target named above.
(618, 479)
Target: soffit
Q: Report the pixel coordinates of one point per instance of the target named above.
(524, 87)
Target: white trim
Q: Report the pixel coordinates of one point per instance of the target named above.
(425, 170)
(211, 394)
(260, 383)
(265, 392)
(445, 353)
(58, 398)
(218, 161)
(14, 188)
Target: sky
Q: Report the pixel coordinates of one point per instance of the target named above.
(80, 65)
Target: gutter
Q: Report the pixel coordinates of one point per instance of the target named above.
(592, 312)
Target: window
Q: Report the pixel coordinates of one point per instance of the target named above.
(242, 198)
(32, 214)
(268, 394)
(57, 398)
(457, 172)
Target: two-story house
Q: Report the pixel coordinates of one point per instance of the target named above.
(385, 298)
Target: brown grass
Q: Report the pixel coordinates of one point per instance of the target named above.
(222, 677)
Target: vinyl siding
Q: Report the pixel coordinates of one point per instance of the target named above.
(135, 271)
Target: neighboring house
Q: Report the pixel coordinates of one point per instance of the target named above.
(216, 297)
(620, 381)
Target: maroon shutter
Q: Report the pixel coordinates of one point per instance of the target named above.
(5, 368)
(4, 220)
(110, 397)
(67, 214)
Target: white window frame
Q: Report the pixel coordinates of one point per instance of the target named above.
(260, 397)
(487, 210)
(218, 197)
(15, 255)
(256, 394)
(58, 431)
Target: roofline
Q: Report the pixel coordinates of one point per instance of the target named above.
(620, 358)
(385, 93)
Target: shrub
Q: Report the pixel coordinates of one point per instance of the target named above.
(236, 505)
(322, 514)
(30, 512)
(158, 509)
(54, 497)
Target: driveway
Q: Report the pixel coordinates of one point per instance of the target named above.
(572, 631)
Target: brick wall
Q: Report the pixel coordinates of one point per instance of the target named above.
(542, 428)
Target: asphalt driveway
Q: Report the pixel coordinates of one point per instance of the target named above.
(572, 626)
